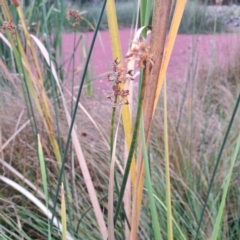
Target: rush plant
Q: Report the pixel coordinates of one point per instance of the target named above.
(75, 168)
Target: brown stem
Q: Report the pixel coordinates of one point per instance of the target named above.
(158, 37)
(161, 17)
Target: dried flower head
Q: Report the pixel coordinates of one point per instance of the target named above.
(16, 3)
(75, 16)
(119, 75)
(140, 53)
(8, 26)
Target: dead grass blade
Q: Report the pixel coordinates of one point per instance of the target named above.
(24, 179)
(6, 41)
(111, 189)
(87, 177)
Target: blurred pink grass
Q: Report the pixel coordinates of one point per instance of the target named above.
(206, 49)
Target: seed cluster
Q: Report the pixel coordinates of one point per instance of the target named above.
(75, 16)
(121, 74)
(140, 53)
(8, 26)
(16, 3)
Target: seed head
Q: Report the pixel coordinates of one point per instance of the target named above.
(75, 16)
(8, 26)
(120, 74)
(16, 3)
(140, 53)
